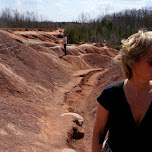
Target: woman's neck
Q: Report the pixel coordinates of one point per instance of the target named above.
(138, 86)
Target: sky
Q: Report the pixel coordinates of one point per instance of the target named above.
(71, 10)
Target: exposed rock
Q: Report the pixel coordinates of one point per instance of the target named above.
(68, 150)
(77, 118)
(75, 133)
(78, 133)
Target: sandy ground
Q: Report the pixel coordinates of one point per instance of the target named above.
(38, 85)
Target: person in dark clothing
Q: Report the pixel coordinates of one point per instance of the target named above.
(125, 107)
(64, 43)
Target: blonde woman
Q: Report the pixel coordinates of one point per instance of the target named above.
(125, 108)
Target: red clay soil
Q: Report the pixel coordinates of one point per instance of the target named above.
(38, 85)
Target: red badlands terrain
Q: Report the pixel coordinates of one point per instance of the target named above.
(44, 97)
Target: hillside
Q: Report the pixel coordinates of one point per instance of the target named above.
(38, 86)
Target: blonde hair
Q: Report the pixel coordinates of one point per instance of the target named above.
(136, 47)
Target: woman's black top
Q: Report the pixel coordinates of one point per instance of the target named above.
(124, 134)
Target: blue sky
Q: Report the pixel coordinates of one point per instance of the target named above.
(70, 10)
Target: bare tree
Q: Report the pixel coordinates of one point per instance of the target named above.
(84, 17)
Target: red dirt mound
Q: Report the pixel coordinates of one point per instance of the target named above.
(37, 67)
(38, 84)
(89, 61)
(27, 111)
(98, 60)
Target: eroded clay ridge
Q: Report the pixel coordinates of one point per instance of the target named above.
(48, 103)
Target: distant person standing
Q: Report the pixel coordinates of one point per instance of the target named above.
(104, 43)
(64, 42)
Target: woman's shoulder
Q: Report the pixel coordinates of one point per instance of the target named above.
(112, 90)
(115, 86)
(110, 93)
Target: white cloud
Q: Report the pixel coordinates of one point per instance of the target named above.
(65, 1)
(39, 1)
(128, 4)
(69, 10)
(18, 3)
(59, 5)
(109, 6)
(97, 7)
(1, 4)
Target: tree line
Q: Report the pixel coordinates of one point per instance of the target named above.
(10, 18)
(110, 27)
